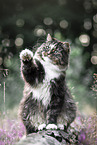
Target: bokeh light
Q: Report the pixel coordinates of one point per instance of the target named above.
(87, 24)
(94, 60)
(95, 18)
(20, 22)
(19, 42)
(39, 31)
(84, 39)
(94, 54)
(63, 24)
(6, 42)
(48, 21)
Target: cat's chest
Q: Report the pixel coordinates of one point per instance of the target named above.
(42, 93)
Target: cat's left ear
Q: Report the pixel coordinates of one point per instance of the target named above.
(66, 46)
(49, 38)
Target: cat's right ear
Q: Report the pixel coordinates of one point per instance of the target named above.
(66, 46)
(49, 38)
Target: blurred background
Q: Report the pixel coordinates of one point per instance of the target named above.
(24, 23)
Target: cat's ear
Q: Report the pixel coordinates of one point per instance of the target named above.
(66, 46)
(49, 38)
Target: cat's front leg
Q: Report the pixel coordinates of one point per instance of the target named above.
(28, 67)
(31, 69)
(52, 115)
(27, 62)
(55, 105)
(28, 107)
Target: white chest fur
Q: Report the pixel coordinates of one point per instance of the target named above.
(42, 93)
(51, 71)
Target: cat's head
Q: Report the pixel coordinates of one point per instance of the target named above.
(56, 51)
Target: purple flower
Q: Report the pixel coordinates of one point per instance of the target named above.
(82, 136)
(2, 143)
(14, 131)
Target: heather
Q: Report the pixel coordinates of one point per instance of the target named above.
(11, 131)
(84, 130)
(88, 132)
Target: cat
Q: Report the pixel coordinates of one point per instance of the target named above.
(47, 102)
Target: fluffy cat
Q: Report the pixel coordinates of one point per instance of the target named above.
(47, 102)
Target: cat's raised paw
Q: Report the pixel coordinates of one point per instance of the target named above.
(26, 55)
(42, 126)
(51, 126)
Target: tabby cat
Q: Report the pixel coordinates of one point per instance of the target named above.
(47, 102)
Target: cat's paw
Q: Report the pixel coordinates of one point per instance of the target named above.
(24, 136)
(51, 126)
(60, 126)
(42, 126)
(26, 55)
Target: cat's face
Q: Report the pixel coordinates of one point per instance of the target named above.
(56, 51)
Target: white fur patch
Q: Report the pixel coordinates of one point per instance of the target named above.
(42, 93)
(41, 126)
(24, 137)
(26, 54)
(52, 46)
(52, 71)
(60, 126)
(51, 126)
